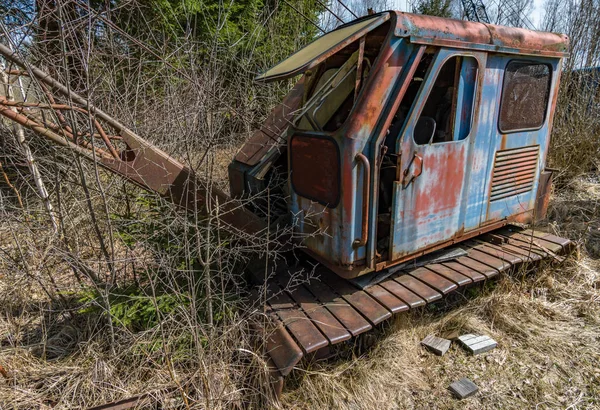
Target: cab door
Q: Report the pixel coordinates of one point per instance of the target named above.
(436, 150)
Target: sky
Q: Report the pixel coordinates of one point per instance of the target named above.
(538, 12)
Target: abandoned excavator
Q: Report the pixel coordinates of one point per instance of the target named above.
(406, 160)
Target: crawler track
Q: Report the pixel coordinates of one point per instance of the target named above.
(307, 319)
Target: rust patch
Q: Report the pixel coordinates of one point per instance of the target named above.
(466, 34)
(543, 195)
(315, 169)
(443, 192)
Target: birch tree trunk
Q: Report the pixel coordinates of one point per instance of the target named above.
(24, 145)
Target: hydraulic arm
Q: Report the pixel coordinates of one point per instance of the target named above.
(118, 149)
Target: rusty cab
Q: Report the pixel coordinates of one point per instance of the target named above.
(405, 134)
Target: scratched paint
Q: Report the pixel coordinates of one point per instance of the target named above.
(451, 196)
(426, 210)
(524, 203)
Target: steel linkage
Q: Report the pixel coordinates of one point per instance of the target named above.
(119, 150)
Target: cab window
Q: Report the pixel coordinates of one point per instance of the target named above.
(333, 99)
(448, 111)
(525, 95)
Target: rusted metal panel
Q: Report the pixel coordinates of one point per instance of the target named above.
(517, 161)
(315, 169)
(432, 205)
(427, 210)
(479, 36)
(543, 195)
(514, 171)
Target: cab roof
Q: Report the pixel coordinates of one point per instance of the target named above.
(440, 31)
(422, 29)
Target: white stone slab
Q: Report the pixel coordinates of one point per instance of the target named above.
(477, 344)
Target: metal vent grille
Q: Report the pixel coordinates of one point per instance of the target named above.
(514, 171)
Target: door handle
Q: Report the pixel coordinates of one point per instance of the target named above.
(413, 170)
(364, 237)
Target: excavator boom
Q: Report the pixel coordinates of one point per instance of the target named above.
(124, 152)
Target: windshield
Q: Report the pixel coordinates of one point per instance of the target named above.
(332, 87)
(333, 98)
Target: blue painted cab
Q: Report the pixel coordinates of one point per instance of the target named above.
(412, 133)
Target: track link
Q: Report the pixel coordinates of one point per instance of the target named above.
(305, 320)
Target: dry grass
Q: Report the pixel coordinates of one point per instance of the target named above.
(59, 359)
(547, 326)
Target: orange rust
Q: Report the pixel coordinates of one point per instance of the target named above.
(443, 193)
(354, 271)
(503, 141)
(543, 195)
(468, 34)
(4, 373)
